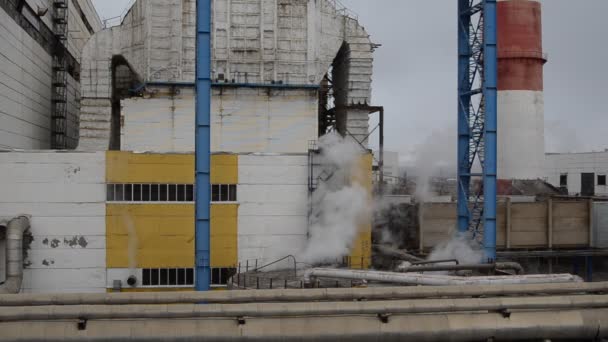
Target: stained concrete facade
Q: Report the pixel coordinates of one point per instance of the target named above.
(64, 193)
(26, 41)
(282, 43)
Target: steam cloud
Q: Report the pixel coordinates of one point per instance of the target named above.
(461, 247)
(340, 205)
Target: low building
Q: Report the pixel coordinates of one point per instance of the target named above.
(578, 174)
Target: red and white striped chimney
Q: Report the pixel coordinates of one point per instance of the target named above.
(521, 137)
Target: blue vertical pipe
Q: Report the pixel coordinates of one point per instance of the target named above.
(203, 144)
(490, 128)
(464, 100)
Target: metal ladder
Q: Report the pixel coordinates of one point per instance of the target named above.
(59, 93)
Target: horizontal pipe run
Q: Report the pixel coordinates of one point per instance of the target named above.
(442, 268)
(436, 279)
(308, 295)
(184, 311)
(575, 325)
(530, 325)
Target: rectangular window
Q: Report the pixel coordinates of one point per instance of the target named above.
(563, 180)
(221, 276)
(223, 193)
(167, 277)
(150, 193)
(136, 192)
(601, 179)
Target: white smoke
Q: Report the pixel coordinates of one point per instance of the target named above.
(461, 247)
(340, 205)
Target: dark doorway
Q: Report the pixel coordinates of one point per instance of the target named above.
(588, 184)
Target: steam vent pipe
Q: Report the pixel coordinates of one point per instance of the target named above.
(15, 229)
(521, 142)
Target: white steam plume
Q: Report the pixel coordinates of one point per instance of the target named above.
(461, 247)
(340, 205)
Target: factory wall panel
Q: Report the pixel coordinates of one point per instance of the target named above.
(150, 235)
(25, 76)
(128, 167)
(361, 251)
(273, 206)
(65, 195)
(224, 231)
(244, 120)
(160, 124)
(25, 89)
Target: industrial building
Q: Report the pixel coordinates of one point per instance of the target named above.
(101, 202)
(130, 182)
(579, 174)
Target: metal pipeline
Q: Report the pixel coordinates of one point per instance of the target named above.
(435, 279)
(308, 295)
(517, 268)
(15, 229)
(184, 311)
(576, 325)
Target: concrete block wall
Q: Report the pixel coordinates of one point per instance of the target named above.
(273, 202)
(25, 89)
(243, 120)
(25, 77)
(65, 195)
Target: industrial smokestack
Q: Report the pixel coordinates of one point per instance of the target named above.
(521, 139)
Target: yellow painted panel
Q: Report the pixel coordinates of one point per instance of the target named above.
(149, 235)
(128, 167)
(224, 169)
(224, 231)
(361, 252)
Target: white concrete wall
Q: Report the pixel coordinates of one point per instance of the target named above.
(574, 164)
(244, 120)
(65, 195)
(521, 138)
(273, 206)
(253, 41)
(25, 89)
(25, 78)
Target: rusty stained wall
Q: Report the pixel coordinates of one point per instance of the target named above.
(65, 195)
(527, 226)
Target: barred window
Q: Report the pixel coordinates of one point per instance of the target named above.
(150, 193)
(223, 193)
(167, 277)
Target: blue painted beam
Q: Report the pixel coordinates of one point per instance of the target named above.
(203, 145)
(464, 100)
(491, 127)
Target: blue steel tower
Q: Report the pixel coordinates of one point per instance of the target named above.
(477, 121)
(203, 144)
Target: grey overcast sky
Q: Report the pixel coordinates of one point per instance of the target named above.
(415, 72)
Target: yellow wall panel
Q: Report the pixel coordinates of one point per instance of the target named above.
(160, 235)
(224, 230)
(149, 235)
(128, 167)
(361, 252)
(224, 169)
